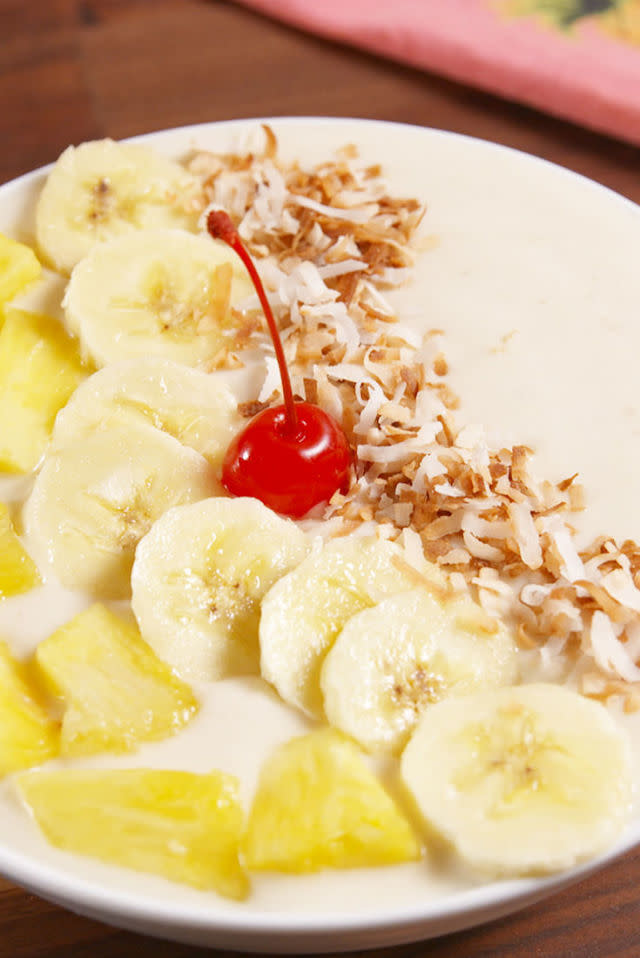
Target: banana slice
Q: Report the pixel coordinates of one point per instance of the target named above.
(94, 500)
(155, 292)
(394, 660)
(522, 780)
(102, 189)
(303, 614)
(198, 579)
(192, 406)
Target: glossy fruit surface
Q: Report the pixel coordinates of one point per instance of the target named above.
(319, 805)
(180, 825)
(289, 471)
(291, 457)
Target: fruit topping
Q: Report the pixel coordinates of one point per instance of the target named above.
(97, 496)
(521, 780)
(40, 367)
(179, 825)
(395, 660)
(294, 456)
(19, 266)
(115, 691)
(18, 571)
(162, 292)
(28, 736)
(199, 577)
(319, 806)
(103, 189)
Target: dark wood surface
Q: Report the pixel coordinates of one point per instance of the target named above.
(72, 70)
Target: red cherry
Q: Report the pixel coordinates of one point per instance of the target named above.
(293, 456)
(290, 473)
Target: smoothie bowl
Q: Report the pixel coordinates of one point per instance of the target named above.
(404, 710)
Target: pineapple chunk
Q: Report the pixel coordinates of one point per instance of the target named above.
(180, 825)
(117, 693)
(19, 266)
(318, 805)
(39, 369)
(27, 734)
(18, 571)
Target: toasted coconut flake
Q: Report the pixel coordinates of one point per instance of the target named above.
(328, 241)
(457, 557)
(271, 383)
(621, 587)
(411, 545)
(571, 566)
(600, 599)
(525, 639)
(391, 454)
(361, 214)
(526, 534)
(609, 652)
(341, 268)
(442, 526)
(440, 365)
(371, 407)
(482, 550)
(250, 409)
(484, 528)
(534, 593)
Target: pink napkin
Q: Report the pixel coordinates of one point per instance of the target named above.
(557, 55)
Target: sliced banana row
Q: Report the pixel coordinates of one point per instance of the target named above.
(519, 779)
(144, 435)
(343, 632)
(304, 613)
(348, 635)
(121, 218)
(135, 439)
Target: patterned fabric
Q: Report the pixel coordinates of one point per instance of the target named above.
(577, 59)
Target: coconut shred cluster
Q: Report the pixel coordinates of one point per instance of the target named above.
(328, 242)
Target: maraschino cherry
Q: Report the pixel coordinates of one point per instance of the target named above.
(293, 456)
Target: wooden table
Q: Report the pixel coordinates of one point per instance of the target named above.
(72, 70)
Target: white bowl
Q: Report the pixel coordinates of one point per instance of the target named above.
(534, 278)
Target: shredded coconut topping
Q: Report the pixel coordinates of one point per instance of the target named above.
(327, 243)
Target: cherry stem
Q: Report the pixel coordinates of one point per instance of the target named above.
(220, 226)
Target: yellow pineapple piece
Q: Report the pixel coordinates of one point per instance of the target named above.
(27, 735)
(318, 805)
(18, 571)
(180, 825)
(40, 367)
(116, 692)
(19, 266)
